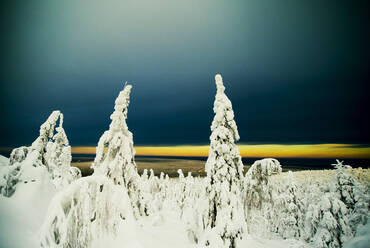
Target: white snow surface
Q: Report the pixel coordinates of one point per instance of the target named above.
(4, 161)
(4, 168)
(22, 216)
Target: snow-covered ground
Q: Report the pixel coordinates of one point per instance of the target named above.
(22, 215)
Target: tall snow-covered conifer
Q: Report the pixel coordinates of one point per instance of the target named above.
(115, 152)
(224, 175)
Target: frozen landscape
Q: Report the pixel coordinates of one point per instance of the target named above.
(44, 202)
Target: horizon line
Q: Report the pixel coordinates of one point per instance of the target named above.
(325, 150)
(248, 150)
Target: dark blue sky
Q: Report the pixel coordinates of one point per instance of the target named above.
(295, 71)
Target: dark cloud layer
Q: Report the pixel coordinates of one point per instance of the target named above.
(295, 71)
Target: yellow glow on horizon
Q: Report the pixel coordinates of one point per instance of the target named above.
(273, 150)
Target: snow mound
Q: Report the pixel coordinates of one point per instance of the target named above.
(22, 214)
(4, 161)
(362, 239)
(89, 211)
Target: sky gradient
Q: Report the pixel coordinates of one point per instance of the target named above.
(297, 72)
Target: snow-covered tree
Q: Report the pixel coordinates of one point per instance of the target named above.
(95, 206)
(353, 194)
(145, 196)
(58, 158)
(224, 176)
(360, 215)
(115, 151)
(38, 147)
(10, 176)
(153, 182)
(258, 195)
(195, 215)
(48, 152)
(196, 207)
(326, 222)
(181, 188)
(89, 209)
(257, 182)
(288, 210)
(345, 184)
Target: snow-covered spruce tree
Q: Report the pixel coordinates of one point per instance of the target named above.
(288, 210)
(195, 214)
(326, 222)
(344, 184)
(115, 151)
(224, 176)
(257, 182)
(10, 177)
(181, 188)
(27, 162)
(58, 158)
(258, 195)
(153, 183)
(145, 197)
(162, 188)
(195, 211)
(353, 194)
